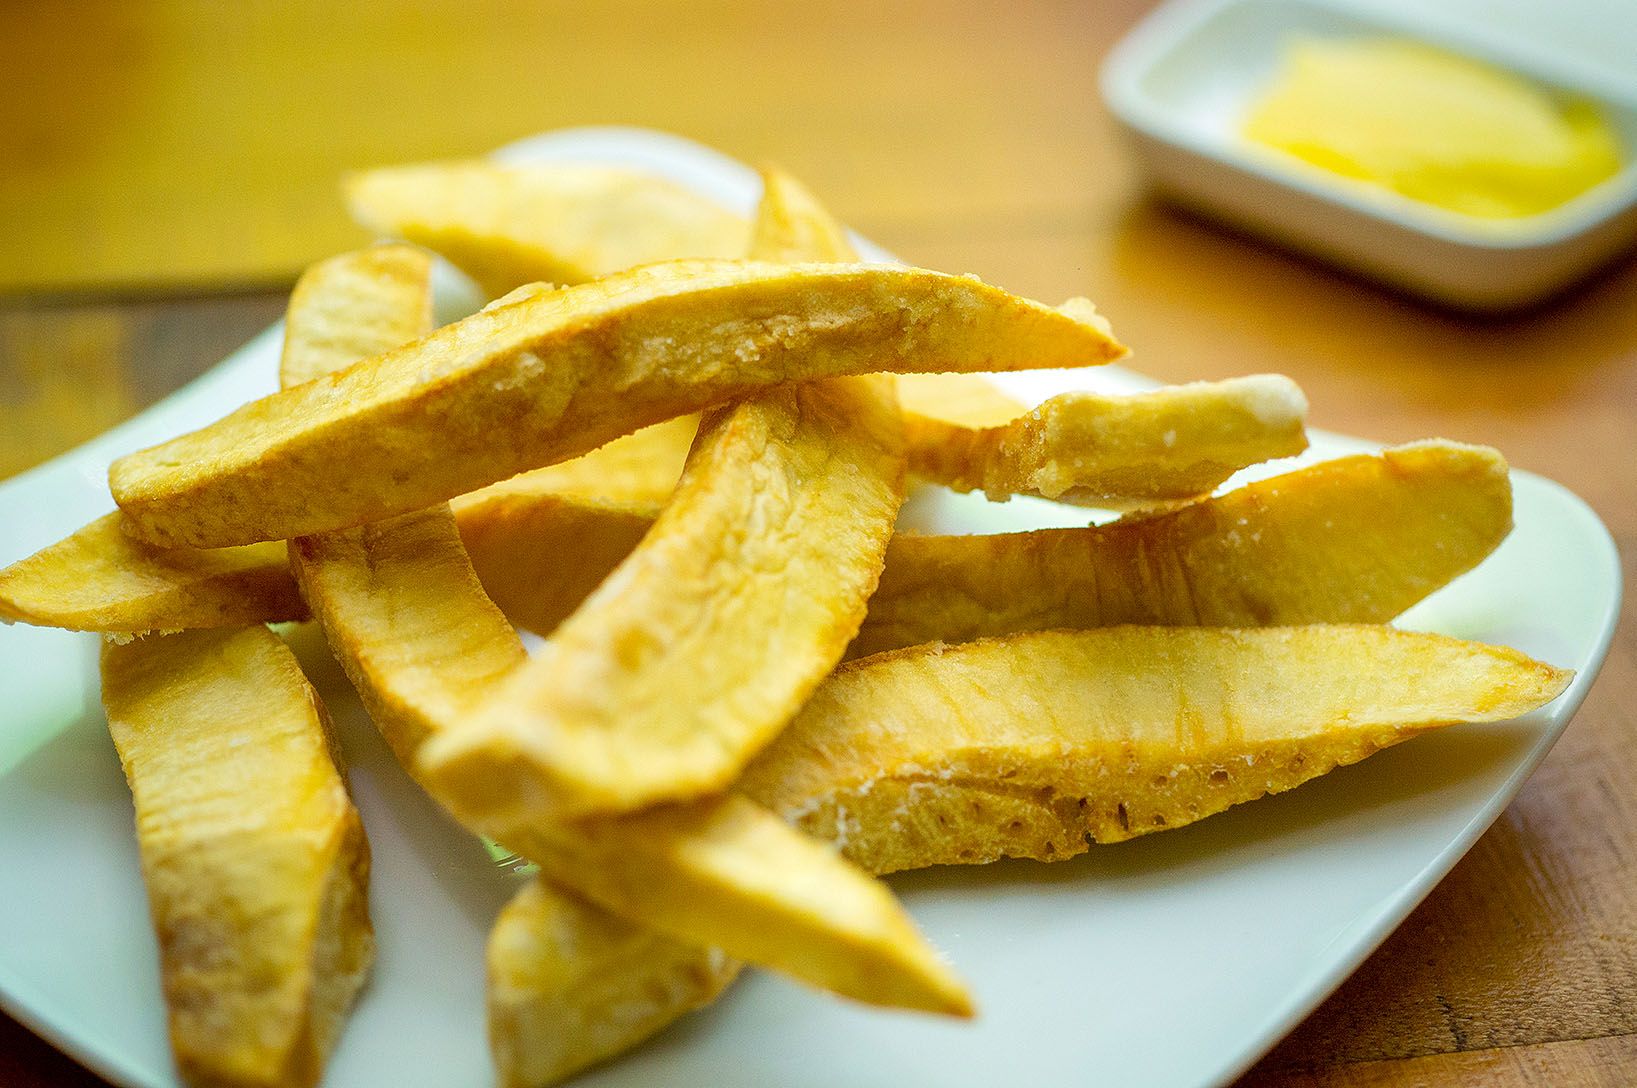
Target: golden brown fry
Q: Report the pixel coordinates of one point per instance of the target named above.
(554, 376)
(407, 619)
(588, 513)
(969, 400)
(254, 858)
(507, 225)
(571, 985)
(727, 873)
(539, 556)
(651, 691)
(641, 467)
(1035, 745)
(926, 757)
(791, 225)
(543, 541)
(102, 579)
(510, 225)
(1172, 443)
(1354, 540)
(352, 303)
(405, 615)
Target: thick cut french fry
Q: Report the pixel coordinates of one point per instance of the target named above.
(405, 615)
(510, 225)
(543, 541)
(103, 579)
(540, 555)
(408, 620)
(352, 303)
(651, 692)
(922, 758)
(1172, 443)
(254, 858)
(526, 385)
(967, 400)
(791, 224)
(589, 513)
(1036, 745)
(641, 467)
(570, 985)
(507, 225)
(1355, 540)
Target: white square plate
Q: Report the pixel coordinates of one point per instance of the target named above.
(1172, 960)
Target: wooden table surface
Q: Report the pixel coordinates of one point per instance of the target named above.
(170, 166)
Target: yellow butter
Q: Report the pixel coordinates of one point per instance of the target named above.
(1433, 126)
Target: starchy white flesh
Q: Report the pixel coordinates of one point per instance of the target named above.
(570, 985)
(506, 225)
(254, 858)
(406, 617)
(1036, 745)
(1172, 443)
(651, 692)
(558, 374)
(1354, 540)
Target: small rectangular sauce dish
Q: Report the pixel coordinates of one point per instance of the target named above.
(1183, 81)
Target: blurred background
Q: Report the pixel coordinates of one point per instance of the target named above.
(170, 166)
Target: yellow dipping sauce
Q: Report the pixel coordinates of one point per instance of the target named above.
(1433, 126)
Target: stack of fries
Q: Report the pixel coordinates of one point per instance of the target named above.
(715, 423)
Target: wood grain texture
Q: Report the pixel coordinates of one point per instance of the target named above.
(1581, 1063)
(965, 137)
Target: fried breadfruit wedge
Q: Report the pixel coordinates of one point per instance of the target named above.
(925, 757)
(590, 512)
(641, 467)
(1354, 540)
(1172, 443)
(1036, 745)
(101, 578)
(510, 225)
(254, 857)
(570, 985)
(540, 554)
(406, 617)
(651, 692)
(352, 303)
(506, 225)
(558, 374)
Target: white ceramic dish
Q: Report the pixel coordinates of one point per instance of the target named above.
(1170, 961)
(1181, 82)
